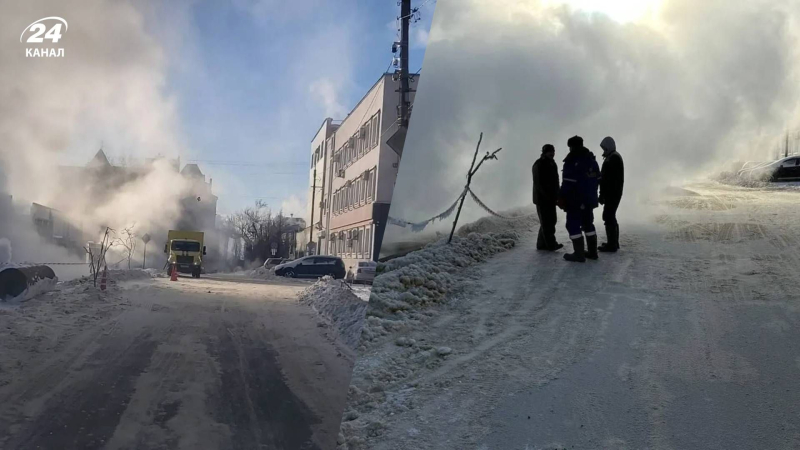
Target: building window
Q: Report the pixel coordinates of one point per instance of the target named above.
(376, 129)
(368, 242)
(358, 191)
(367, 136)
(349, 196)
(363, 196)
(373, 182)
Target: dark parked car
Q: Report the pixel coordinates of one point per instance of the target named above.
(785, 169)
(312, 267)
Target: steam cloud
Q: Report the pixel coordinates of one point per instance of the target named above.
(108, 88)
(705, 83)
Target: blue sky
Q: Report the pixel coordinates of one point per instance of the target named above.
(254, 79)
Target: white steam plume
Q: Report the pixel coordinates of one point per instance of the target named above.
(703, 83)
(109, 87)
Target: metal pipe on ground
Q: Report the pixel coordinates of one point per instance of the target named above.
(14, 281)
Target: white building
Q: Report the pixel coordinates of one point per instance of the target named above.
(355, 175)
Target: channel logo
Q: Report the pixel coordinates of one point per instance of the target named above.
(50, 29)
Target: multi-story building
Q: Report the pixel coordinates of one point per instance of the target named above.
(322, 147)
(355, 174)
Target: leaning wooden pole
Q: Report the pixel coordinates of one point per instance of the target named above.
(464, 194)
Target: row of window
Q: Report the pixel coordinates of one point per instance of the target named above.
(355, 243)
(364, 140)
(316, 156)
(356, 192)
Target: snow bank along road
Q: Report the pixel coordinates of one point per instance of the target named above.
(689, 338)
(213, 363)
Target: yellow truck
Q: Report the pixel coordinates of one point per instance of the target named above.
(185, 251)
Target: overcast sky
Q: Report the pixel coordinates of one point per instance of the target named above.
(680, 84)
(242, 81)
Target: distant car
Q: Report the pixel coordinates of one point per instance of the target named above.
(365, 272)
(784, 169)
(312, 267)
(272, 262)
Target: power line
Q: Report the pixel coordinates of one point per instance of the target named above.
(246, 163)
(414, 10)
(374, 96)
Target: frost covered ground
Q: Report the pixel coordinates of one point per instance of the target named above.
(687, 338)
(44, 320)
(211, 363)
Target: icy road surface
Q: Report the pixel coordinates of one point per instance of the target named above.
(689, 338)
(214, 363)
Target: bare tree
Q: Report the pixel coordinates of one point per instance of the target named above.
(259, 230)
(97, 253)
(128, 240)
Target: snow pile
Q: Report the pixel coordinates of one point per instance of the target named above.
(406, 285)
(362, 291)
(338, 306)
(119, 275)
(262, 273)
(408, 293)
(517, 219)
(156, 273)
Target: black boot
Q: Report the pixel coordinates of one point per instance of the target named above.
(616, 237)
(556, 246)
(591, 246)
(577, 255)
(609, 246)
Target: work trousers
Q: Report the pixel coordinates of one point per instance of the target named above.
(580, 220)
(547, 226)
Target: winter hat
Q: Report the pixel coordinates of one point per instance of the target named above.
(548, 148)
(608, 145)
(575, 142)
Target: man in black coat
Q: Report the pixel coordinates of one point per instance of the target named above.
(612, 177)
(545, 196)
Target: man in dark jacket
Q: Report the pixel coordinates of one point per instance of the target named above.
(612, 179)
(545, 197)
(578, 197)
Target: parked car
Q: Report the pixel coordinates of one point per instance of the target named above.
(784, 169)
(272, 262)
(312, 267)
(365, 272)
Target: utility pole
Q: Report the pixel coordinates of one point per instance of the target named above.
(313, 197)
(405, 16)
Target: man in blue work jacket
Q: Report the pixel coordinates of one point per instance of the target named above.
(578, 197)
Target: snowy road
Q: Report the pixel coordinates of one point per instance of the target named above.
(222, 363)
(686, 339)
